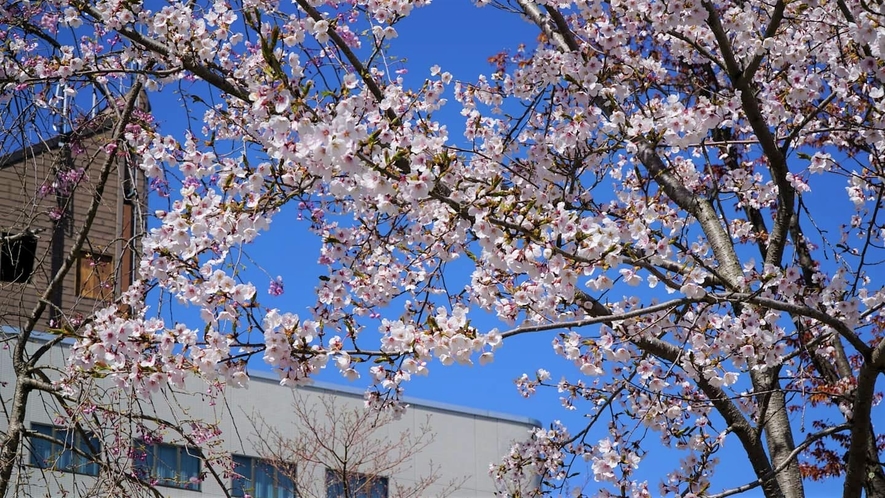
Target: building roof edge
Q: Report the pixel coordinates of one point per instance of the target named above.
(332, 388)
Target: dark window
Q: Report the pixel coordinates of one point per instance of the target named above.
(51, 455)
(262, 479)
(167, 465)
(357, 485)
(17, 257)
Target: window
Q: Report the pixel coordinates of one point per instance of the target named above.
(95, 276)
(168, 465)
(261, 479)
(50, 455)
(358, 485)
(17, 253)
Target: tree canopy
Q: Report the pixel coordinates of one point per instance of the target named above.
(684, 197)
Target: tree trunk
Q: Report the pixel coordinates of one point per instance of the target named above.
(9, 450)
(779, 439)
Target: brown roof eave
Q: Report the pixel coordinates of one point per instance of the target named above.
(95, 126)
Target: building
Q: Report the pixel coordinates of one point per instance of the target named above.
(465, 442)
(46, 189)
(97, 444)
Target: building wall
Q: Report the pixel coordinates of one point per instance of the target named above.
(23, 208)
(466, 441)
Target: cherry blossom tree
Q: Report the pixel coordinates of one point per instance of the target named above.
(636, 184)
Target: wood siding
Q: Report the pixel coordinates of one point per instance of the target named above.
(24, 208)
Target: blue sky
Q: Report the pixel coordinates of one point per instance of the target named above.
(459, 38)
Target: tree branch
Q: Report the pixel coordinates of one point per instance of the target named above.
(793, 455)
(602, 318)
(862, 427)
(742, 79)
(699, 208)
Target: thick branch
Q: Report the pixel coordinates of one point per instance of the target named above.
(856, 471)
(800, 310)
(793, 455)
(602, 317)
(698, 207)
(777, 16)
(742, 79)
(188, 62)
(352, 58)
(732, 415)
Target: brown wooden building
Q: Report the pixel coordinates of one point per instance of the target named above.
(46, 190)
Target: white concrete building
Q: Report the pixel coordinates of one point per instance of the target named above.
(466, 442)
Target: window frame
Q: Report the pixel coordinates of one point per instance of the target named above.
(77, 462)
(146, 463)
(93, 282)
(334, 485)
(282, 485)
